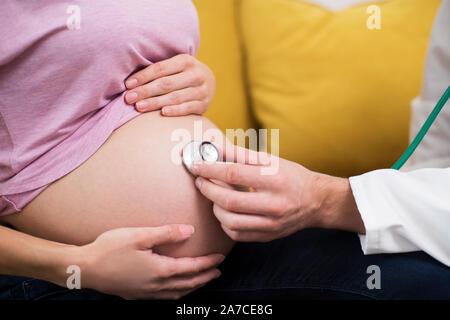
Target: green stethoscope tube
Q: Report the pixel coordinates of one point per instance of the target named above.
(423, 131)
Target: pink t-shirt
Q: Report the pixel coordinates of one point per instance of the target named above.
(62, 71)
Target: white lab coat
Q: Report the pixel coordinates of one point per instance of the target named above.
(410, 210)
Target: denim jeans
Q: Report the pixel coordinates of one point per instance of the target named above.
(310, 264)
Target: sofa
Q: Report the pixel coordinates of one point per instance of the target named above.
(338, 90)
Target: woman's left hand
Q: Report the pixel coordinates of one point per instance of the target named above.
(178, 86)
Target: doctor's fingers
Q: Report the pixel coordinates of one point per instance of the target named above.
(233, 153)
(248, 236)
(233, 173)
(245, 222)
(238, 201)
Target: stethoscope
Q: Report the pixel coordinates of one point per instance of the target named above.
(196, 151)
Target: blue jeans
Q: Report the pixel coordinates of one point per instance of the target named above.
(310, 264)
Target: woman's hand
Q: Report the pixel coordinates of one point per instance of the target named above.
(121, 262)
(286, 198)
(179, 86)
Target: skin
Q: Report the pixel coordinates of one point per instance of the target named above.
(120, 262)
(178, 86)
(131, 181)
(292, 199)
(136, 249)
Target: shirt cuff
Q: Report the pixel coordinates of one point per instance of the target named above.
(381, 205)
(370, 241)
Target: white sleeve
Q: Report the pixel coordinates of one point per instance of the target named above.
(405, 211)
(410, 210)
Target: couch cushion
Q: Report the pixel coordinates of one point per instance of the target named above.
(220, 50)
(338, 91)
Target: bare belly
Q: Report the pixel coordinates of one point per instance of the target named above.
(131, 181)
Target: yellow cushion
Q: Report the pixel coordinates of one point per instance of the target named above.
(339, 93)
(220, 50)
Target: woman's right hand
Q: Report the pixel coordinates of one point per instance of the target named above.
(121, 262)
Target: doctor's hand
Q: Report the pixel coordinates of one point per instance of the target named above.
(121, 262)
(178, 86)
(290, 199)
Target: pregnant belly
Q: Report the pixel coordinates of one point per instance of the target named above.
(131, 181)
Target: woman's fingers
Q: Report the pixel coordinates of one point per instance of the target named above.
(180, 85)
(171, 267)
(172, 294)
(147, 238)
(137, 271)
(176, 277)
(191, 282)
(176, 288)
(190, 107)
(171, 99)
(164, 85)
(160, 69)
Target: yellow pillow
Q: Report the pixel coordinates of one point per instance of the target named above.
(220, 50)
(338, 91)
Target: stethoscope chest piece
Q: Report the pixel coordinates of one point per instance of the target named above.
(196, 151)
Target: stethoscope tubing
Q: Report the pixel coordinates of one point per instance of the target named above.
(423, 131)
